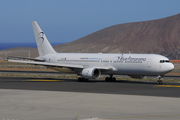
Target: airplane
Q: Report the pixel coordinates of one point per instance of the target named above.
(93, 65)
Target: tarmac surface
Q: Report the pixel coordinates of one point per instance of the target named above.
(63, 99)
(94, 86)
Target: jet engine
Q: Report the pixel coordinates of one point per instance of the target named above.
(138, 76)
(91, 73)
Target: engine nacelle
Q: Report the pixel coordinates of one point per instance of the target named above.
(138, 76)
(91, 73)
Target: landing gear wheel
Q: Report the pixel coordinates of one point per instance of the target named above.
(86, 80)
(159, 82)
(106, 79)
(80, 79)
(113, 79)
(110, 79)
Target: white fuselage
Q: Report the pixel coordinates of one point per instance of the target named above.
(120, 64)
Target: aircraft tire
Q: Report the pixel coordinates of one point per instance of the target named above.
(106, 79)
(86, 80)
(159, 82)
(80, 79)
(113, 79)
(109, 79)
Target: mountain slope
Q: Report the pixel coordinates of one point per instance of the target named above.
(160, 36)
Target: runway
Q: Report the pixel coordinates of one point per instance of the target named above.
(63, 99)
(94, 86)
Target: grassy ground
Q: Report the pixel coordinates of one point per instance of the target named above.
(66, 76)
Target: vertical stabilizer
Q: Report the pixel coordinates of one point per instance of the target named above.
(43, 45)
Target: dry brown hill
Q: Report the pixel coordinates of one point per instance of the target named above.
(19, 51)
(160, 36)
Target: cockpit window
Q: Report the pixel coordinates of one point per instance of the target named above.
(163, 61)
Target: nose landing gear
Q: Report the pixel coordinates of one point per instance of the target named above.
(159, 82)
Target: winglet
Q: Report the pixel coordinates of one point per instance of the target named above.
(43, 45)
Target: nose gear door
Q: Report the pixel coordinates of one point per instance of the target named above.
(149, 62)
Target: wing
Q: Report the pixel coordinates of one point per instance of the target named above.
(47, 64)
(50, 64)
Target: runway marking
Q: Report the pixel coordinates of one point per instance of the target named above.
(166, 86)
(145, 116)
(41, 80)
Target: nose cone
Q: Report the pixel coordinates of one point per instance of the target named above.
(166, 68)
(170, 67)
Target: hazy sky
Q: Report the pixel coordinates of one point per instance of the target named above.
(68, 20)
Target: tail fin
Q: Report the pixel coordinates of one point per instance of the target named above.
(43, 45)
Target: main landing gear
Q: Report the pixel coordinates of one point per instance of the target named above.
(81, 79)
(110, 79)
(159, 82)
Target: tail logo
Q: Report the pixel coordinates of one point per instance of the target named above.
(41, 38)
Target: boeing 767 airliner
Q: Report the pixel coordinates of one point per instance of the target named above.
(93, 65)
